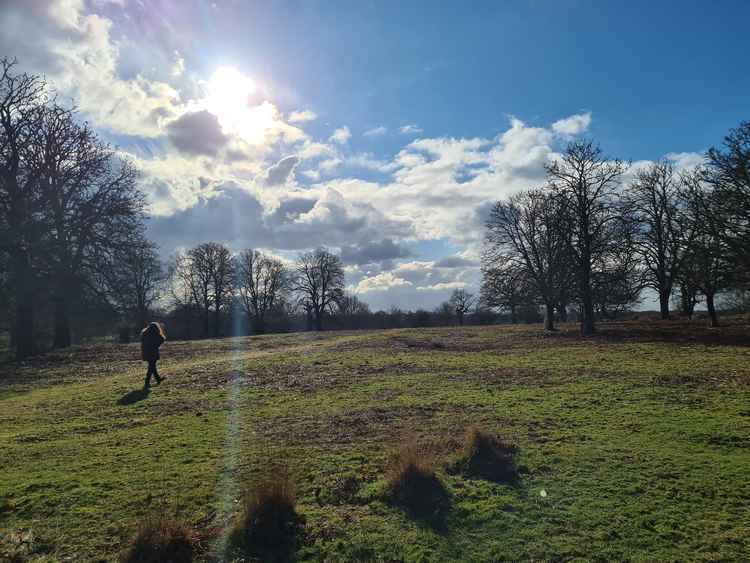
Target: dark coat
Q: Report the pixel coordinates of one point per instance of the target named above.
(150, 342)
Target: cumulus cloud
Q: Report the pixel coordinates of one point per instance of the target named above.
(410, 129)
(197, 133)
(341, 135)
(573, 125)
(383, 281)
(302, 116)
(376, 131)
(280, 172)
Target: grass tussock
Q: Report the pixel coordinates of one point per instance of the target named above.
(161, 539)
(413, 484)
(487, 456)
(268, 523)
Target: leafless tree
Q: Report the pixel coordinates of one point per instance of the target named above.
(136, 278)
(708, 261)
(662, 234)
(728, 173)
(260, 281)
(531, 232)
(462, 302)
(203, 276)
(319, 281)
(91, 206)
(22, 96)
(504, 286)
(588, 183)
(350, 306)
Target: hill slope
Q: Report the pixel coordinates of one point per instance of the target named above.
(634, 444)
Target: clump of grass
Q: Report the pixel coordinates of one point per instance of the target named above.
(487, 456)
(161, 539)
(268, 522)
(413, 485)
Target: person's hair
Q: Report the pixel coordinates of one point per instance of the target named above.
(154, 326)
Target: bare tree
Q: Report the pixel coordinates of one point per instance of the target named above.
(531, 232)
(203, 277)
(587, 182)
(708, 264)
(319, 281)
(260, 282)
(91, 208)
(504, 286)
(136, 278)
(21, 98)
(662, 234)
(728, 173)
(462, 302)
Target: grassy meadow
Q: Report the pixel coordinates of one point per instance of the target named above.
(634, 444)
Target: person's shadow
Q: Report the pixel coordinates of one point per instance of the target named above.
(133, 396)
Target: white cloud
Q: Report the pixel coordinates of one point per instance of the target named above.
(443, 286)
(573, 125)
(379, 282)
(341, 135)
(686, 160)
(410, 129)
(302, 116)
(376, 131)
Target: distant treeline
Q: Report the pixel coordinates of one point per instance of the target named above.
(74, 261)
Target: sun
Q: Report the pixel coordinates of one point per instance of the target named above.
(229, 96)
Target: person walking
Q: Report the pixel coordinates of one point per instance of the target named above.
(151, 338)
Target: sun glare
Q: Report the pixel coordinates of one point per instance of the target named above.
(229, 96)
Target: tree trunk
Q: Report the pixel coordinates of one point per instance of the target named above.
(664, 304)
(513, 315)
(562, 309)
(549, 316)
(259, 325)
(587, 320)
(24, 322)
(62, 323)
(714, 319)
(319, 320)
(460, 319)
(309, 320)
(217, 322)
(207, 323)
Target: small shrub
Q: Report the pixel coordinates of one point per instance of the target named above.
(487, 456)
(269, 521)
(412, 484)
(161, 539)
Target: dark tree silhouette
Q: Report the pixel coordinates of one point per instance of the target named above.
(136, 278)
(91, 208)
(462, 302)
(708, 264)
(203, 277)
(531, 232)
(260, 281)
(728, 172)
(662, 234)
(587, 182)
(504, 286)
(319, 281)
(22, 97)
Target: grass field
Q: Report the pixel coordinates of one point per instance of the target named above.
(634, 444)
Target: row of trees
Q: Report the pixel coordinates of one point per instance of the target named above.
(590, 240)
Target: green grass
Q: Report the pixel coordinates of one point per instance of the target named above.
(640, 439)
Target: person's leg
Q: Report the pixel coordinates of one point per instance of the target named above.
(151, 369)
(156, 375)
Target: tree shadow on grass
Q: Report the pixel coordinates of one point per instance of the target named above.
(133, 396)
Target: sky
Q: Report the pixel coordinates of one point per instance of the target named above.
(382, 130)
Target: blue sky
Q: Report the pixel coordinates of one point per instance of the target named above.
(380, 129)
